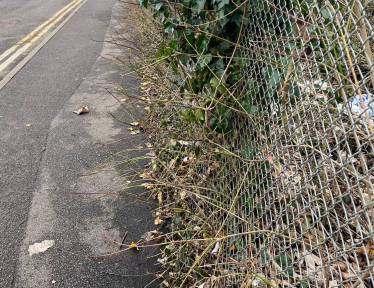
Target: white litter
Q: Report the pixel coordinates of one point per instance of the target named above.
(309, 87)
(356, 107)
(355, 104)
(40, 247)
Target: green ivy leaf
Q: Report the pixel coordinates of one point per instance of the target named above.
(224, 20)
(214, 82)
(326, 13)
(167, 26)
(158, 6)
(199, 114)
(184, 58)
(275, 79)
(221, 109)
(144, 3)
(200, 5)
(251, 109)
(223, 3)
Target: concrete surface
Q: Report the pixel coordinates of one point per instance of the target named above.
(38, 185)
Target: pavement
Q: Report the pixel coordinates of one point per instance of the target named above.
(50, 157)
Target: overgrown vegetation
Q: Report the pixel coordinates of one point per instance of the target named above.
(260, 160)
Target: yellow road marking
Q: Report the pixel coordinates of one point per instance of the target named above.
(29, 56)
(13, 48)
(40, 34)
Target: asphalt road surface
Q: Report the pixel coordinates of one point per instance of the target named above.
(49, 67)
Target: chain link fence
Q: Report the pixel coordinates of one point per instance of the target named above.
(275, 179)
(308, 83)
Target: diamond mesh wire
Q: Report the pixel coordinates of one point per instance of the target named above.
(309, 77)
(290, 188)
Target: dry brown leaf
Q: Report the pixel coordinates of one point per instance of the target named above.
(172, 163)
(147, 185)
(148, 236)
(158, 221)
(343, 266)
(354, 266)
(312, 259)
(271, 161)
(145, 175)
(159, 197)
(135, 132)
(346, 275)
(82, 110)
(215, 165)
(182, 194)
(309, 236)
(148, 145)
(333, 283)
(165, 283)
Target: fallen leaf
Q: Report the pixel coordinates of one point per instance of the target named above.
(159, 198)
(28, 125)
(216, 247)
(133, 245)
(162, 261)
(145, 175)
(271, 161)
(232, 246)
(215, 165)
(354, 266)
(123, 100)
(343, 266)
(333, 283)
(130, 128)
(82, 110)
(182, 195)
(147, 236)
(140, 147)
(147, 185)
(134, 123)
(165, 283)
(135, 132)
(148, 145)
(158, 221)
(172, 163)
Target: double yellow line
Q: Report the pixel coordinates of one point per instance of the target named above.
(46, 25)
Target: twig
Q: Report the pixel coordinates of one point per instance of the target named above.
(122, 241)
